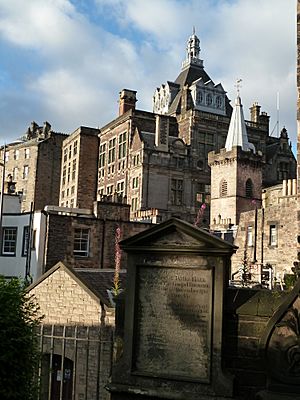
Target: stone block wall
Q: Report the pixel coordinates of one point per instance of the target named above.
(62, 300)
(48, 171)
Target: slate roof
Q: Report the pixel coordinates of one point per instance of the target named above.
(191, 74)
(94, 281)
(100, 280)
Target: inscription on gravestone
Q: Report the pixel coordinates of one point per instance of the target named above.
(173, 324)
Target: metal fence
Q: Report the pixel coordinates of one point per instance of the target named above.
(75, 362)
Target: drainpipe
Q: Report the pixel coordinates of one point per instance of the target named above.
(255, 236)
(2, 163)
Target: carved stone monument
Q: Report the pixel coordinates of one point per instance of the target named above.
(173, 315)
(280, 346)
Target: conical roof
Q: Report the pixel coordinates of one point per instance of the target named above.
(237, 132)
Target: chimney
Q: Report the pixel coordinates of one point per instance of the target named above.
(162, 132)
(255, 112)
(127, 101)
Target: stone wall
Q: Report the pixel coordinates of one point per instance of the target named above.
(63, 301)
(279, 211)
(60, 240)
(247, 312)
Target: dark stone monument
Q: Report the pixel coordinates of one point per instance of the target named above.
(173, 315)
(280, 346)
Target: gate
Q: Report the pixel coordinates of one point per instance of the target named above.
(75, 362)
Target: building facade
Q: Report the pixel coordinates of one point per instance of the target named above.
(79, 165)
(159, 160)
(33, 166)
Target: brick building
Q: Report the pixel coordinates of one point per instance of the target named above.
(79, 165)
(33, 166)
(159, 159)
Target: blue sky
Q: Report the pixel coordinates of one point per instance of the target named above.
(65, 61)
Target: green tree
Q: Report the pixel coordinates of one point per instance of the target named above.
(18, 344)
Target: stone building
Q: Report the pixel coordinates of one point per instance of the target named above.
(159, 159)
(76, 333)
(33, 166)
(261, 221)
(79, 165)
(83, 238)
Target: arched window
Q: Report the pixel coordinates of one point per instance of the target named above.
(249, 188)
(223, 188)
(209, 99)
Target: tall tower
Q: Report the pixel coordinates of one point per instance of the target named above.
(236, 174)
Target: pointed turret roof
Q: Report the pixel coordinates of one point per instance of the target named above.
(237, 132)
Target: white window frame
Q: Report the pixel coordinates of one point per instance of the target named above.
(81, 242)
(9, 241)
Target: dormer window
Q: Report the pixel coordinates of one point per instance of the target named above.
(209, 99)
(219, 102)
(199, 97)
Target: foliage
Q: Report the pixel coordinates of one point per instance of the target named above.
(18, 345)
(289, 281)
(118, 254)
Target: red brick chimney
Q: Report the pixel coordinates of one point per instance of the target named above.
(127, 101)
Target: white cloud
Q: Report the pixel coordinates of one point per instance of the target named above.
(81, 66)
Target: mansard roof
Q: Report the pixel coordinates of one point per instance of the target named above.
(191, 74)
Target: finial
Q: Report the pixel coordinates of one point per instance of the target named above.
(238, 86)
(194, 30)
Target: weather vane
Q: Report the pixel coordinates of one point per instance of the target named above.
(238, 86)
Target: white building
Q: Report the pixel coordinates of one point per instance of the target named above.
(23, 240)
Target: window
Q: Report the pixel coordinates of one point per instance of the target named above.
(70, 151)
(209, 99)
(219, 101)
(6, 156)
(102, 155)
(199, 97)
(26, 153)
(110, 189)
(69, 172)
(134, 204)
(223, 188)
(176, 192)
(136, 160)
(202, 193)
(111, 150)
(25, 171)
(74, 170)
(75, 148)
(81, 242)
(249, 188)
(135, 182)
(25, 246)
(65, 155)
(64, 175)
(9, 241)
(120, 188)
(15, 174)
(72, 189)
(249, 236)
(273, 235)
(122, 145)
(16, 154)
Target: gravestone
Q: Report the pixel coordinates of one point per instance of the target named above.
(173, 315)
(280, 348)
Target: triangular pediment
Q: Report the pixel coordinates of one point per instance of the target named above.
(176, 234)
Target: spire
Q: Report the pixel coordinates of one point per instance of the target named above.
(237, 133)
(193, 51)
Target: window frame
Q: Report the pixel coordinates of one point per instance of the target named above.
(84, 243)
(9, 253)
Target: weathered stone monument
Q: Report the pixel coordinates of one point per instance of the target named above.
(172, 345)
(280, 346)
